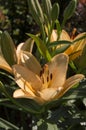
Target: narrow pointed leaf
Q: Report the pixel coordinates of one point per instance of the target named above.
(58, 27)
(47, 8)
(36, 11)
(56, 43)
(80, 38)
(7, 125)
(41, 47)
(25, 105)
(61, 49)
(39, 10)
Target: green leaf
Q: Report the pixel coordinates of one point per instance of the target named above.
(39, 10)
(68, 12)
(5, 125)
(8, 48)
(55, 12)
(52, 126)
(58, 27)
(70, 9)
(72, 65)
(45, 125)
(60, 50)
(5, 74)
(66, 45)
(84, 101)
(7, 103)
(23, 104)
(78, 39)
(47, 8)
(56, 43)
(76, 93)
(41, 47)
(80, 62)
(42, 125)
(36, 11)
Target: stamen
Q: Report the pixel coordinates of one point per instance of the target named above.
(41, 73)
(73, 33)
(51, 76)
(43, 70)
(42, 80)
(47, 78)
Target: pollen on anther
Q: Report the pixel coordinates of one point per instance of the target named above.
(51, 76)
(47, 78)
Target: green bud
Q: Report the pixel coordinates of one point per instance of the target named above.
(8, 48)
(36, 11)
(47, 8)
(68, 12)
(55, 11)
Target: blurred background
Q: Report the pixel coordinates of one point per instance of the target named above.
(16, 19)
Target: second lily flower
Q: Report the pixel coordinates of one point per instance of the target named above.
(73, 50)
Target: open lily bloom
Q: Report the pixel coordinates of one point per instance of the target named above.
(43, 84)
(75, 49)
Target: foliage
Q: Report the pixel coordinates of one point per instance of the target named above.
(17, 19)
(64, 113)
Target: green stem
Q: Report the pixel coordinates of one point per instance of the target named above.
(16, 103)
(63, 23)
(43, 33)
(50, 32)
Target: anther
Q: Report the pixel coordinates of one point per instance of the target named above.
(41, 72)
(51, 76)
(47, 78)
(43, 80)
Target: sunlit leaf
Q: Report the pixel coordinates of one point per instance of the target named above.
(25, 105)
(36, 11)
(5, 125)
(60, 49)
(80, 38)
(41, 47)
(42, 125)
(58, 27)
(47, 8)
(56, 43)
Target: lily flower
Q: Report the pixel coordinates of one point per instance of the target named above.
(43, 84)
(75, 49)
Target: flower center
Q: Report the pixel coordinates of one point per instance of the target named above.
(46, 76)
